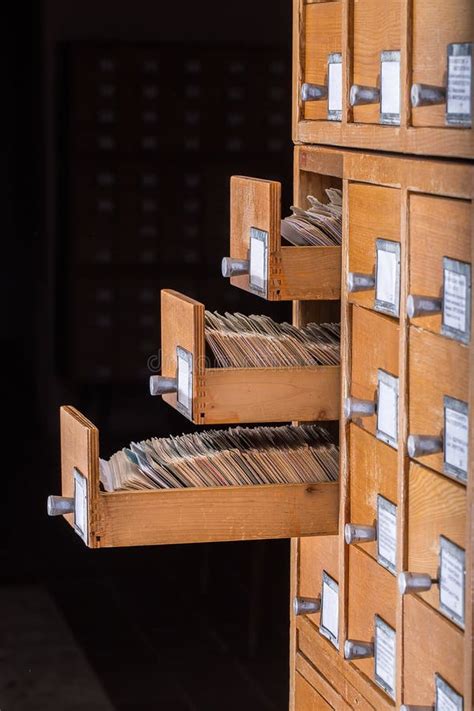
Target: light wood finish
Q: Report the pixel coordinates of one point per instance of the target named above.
(229, 513)
(316, 555)
(323, 35)
(373, 470)
(436, 507)
(432, 219)
(374, 212)
(306, 696)
(438, 366)
(432, 645)
(312, 689)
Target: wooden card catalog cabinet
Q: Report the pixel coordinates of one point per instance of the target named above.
(206, 514)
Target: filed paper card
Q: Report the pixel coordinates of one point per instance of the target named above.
(80, 505)
(386, 534)
(335, 86)
(329, 619)
(387, 408)
(452, 573)
(387, 277)
(258, 260)
(184, 377)
(390, 87)
(456, 316)
(459, 90)
(385, 654)
(446, 699)
(456, 438)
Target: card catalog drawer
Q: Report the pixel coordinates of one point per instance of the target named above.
(374, 247)
(438, 418)
(149, 517)
(231, 395)
(433, 648)
(258, 260)
(307, 698)
(436, 527)
(372, 497)
(374, 376)
(316, 555)
(440, 268)
(371, 623)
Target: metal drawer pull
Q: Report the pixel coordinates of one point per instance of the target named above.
(359, 95)
(159, 385)
(409, 583)
(356, 533)
(423, 305)
(234, 267)
(354, 407)
(60, 505)
(355, 649)
(427, 95)
(313, 92)
(360, 282)
(306, 605)
(424, 445)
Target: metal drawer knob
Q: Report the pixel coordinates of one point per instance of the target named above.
(423, 305)
(354, 407)
(411, 707)
(409, 583)
(306, 605)
(313, 92)
(359, 282)
(359, 95)
(160, 385)
(427, 95)
(355, 649)
(424, 445)
(234, 267)
(356, 533)
(60, 505)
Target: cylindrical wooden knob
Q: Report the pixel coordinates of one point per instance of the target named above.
(306, 605)
(360, 282)
(423, 305)
(357, 533)
(427, 95)
(234, 267)
(355, 649)
(363, 95)
(424, 445)
(160, 385)
(409, 583)
(313, 92)
(355, 407)
(60, 505)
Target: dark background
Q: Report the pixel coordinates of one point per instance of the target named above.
(197, 627)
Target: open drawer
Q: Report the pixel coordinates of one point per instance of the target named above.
(192, 515)
(259, 263)
(232, 395)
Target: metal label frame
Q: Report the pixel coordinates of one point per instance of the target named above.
(451, 470)
(383, 503)
(459, 50)
(185, 408)
(391, 56)
(390, 381)
(81, 505)
(259, 287)
(441, 686)
(329, 634)
(387, 307)
(463, 268)
(380, 624)
(334, 58)
(447, 546)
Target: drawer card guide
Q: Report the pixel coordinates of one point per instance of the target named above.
(456, 312)
(390, 88)
(81, 503)
(387, 277)
(452, 574)
(385, 653)
(258, 254)
(329, 619)
(387, 408)
(335, 86)
(459, 90)
(456, 438)
(386, 534)
(184, 379)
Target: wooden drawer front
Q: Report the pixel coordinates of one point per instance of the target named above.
(375, 339)
(307, 698)
(323, 36)
(438, 368)
(431, 220)
(227, 513)
(372, 591)
(315, 555)
(436, 507)
(432, 645)
(435, 26)
(372, 473)
(374, 214)
(376, 29)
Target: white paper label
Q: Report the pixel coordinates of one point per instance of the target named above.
(455, 297)
(386, 276)
(387, 533)
(446, 698)
(459, 85)
(329, 621)
(335, 86)
(456, 434)
(385, 656)
(258, 265)
(445, 703)
(184, 380)
(390, 88)
(387, 408)
(451, 586)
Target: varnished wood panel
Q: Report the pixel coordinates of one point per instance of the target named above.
(316, 555)
(323, 30)
(307, 698)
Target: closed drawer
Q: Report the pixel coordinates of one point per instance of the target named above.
(440, 269)
(438, 417)
(374, 247)
(306, 696)
(433, 648)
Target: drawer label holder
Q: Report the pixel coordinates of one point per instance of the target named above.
(460, 85)
(446, 699)
(387, 408)
(335, 86)
(456, 313)
(258, 258)
(385, 656)
(184, 379)
(329, 618)
(452, 577)
(81, 505)
(456, 438)
(386, 534)
(390, 87)
(387, 277)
